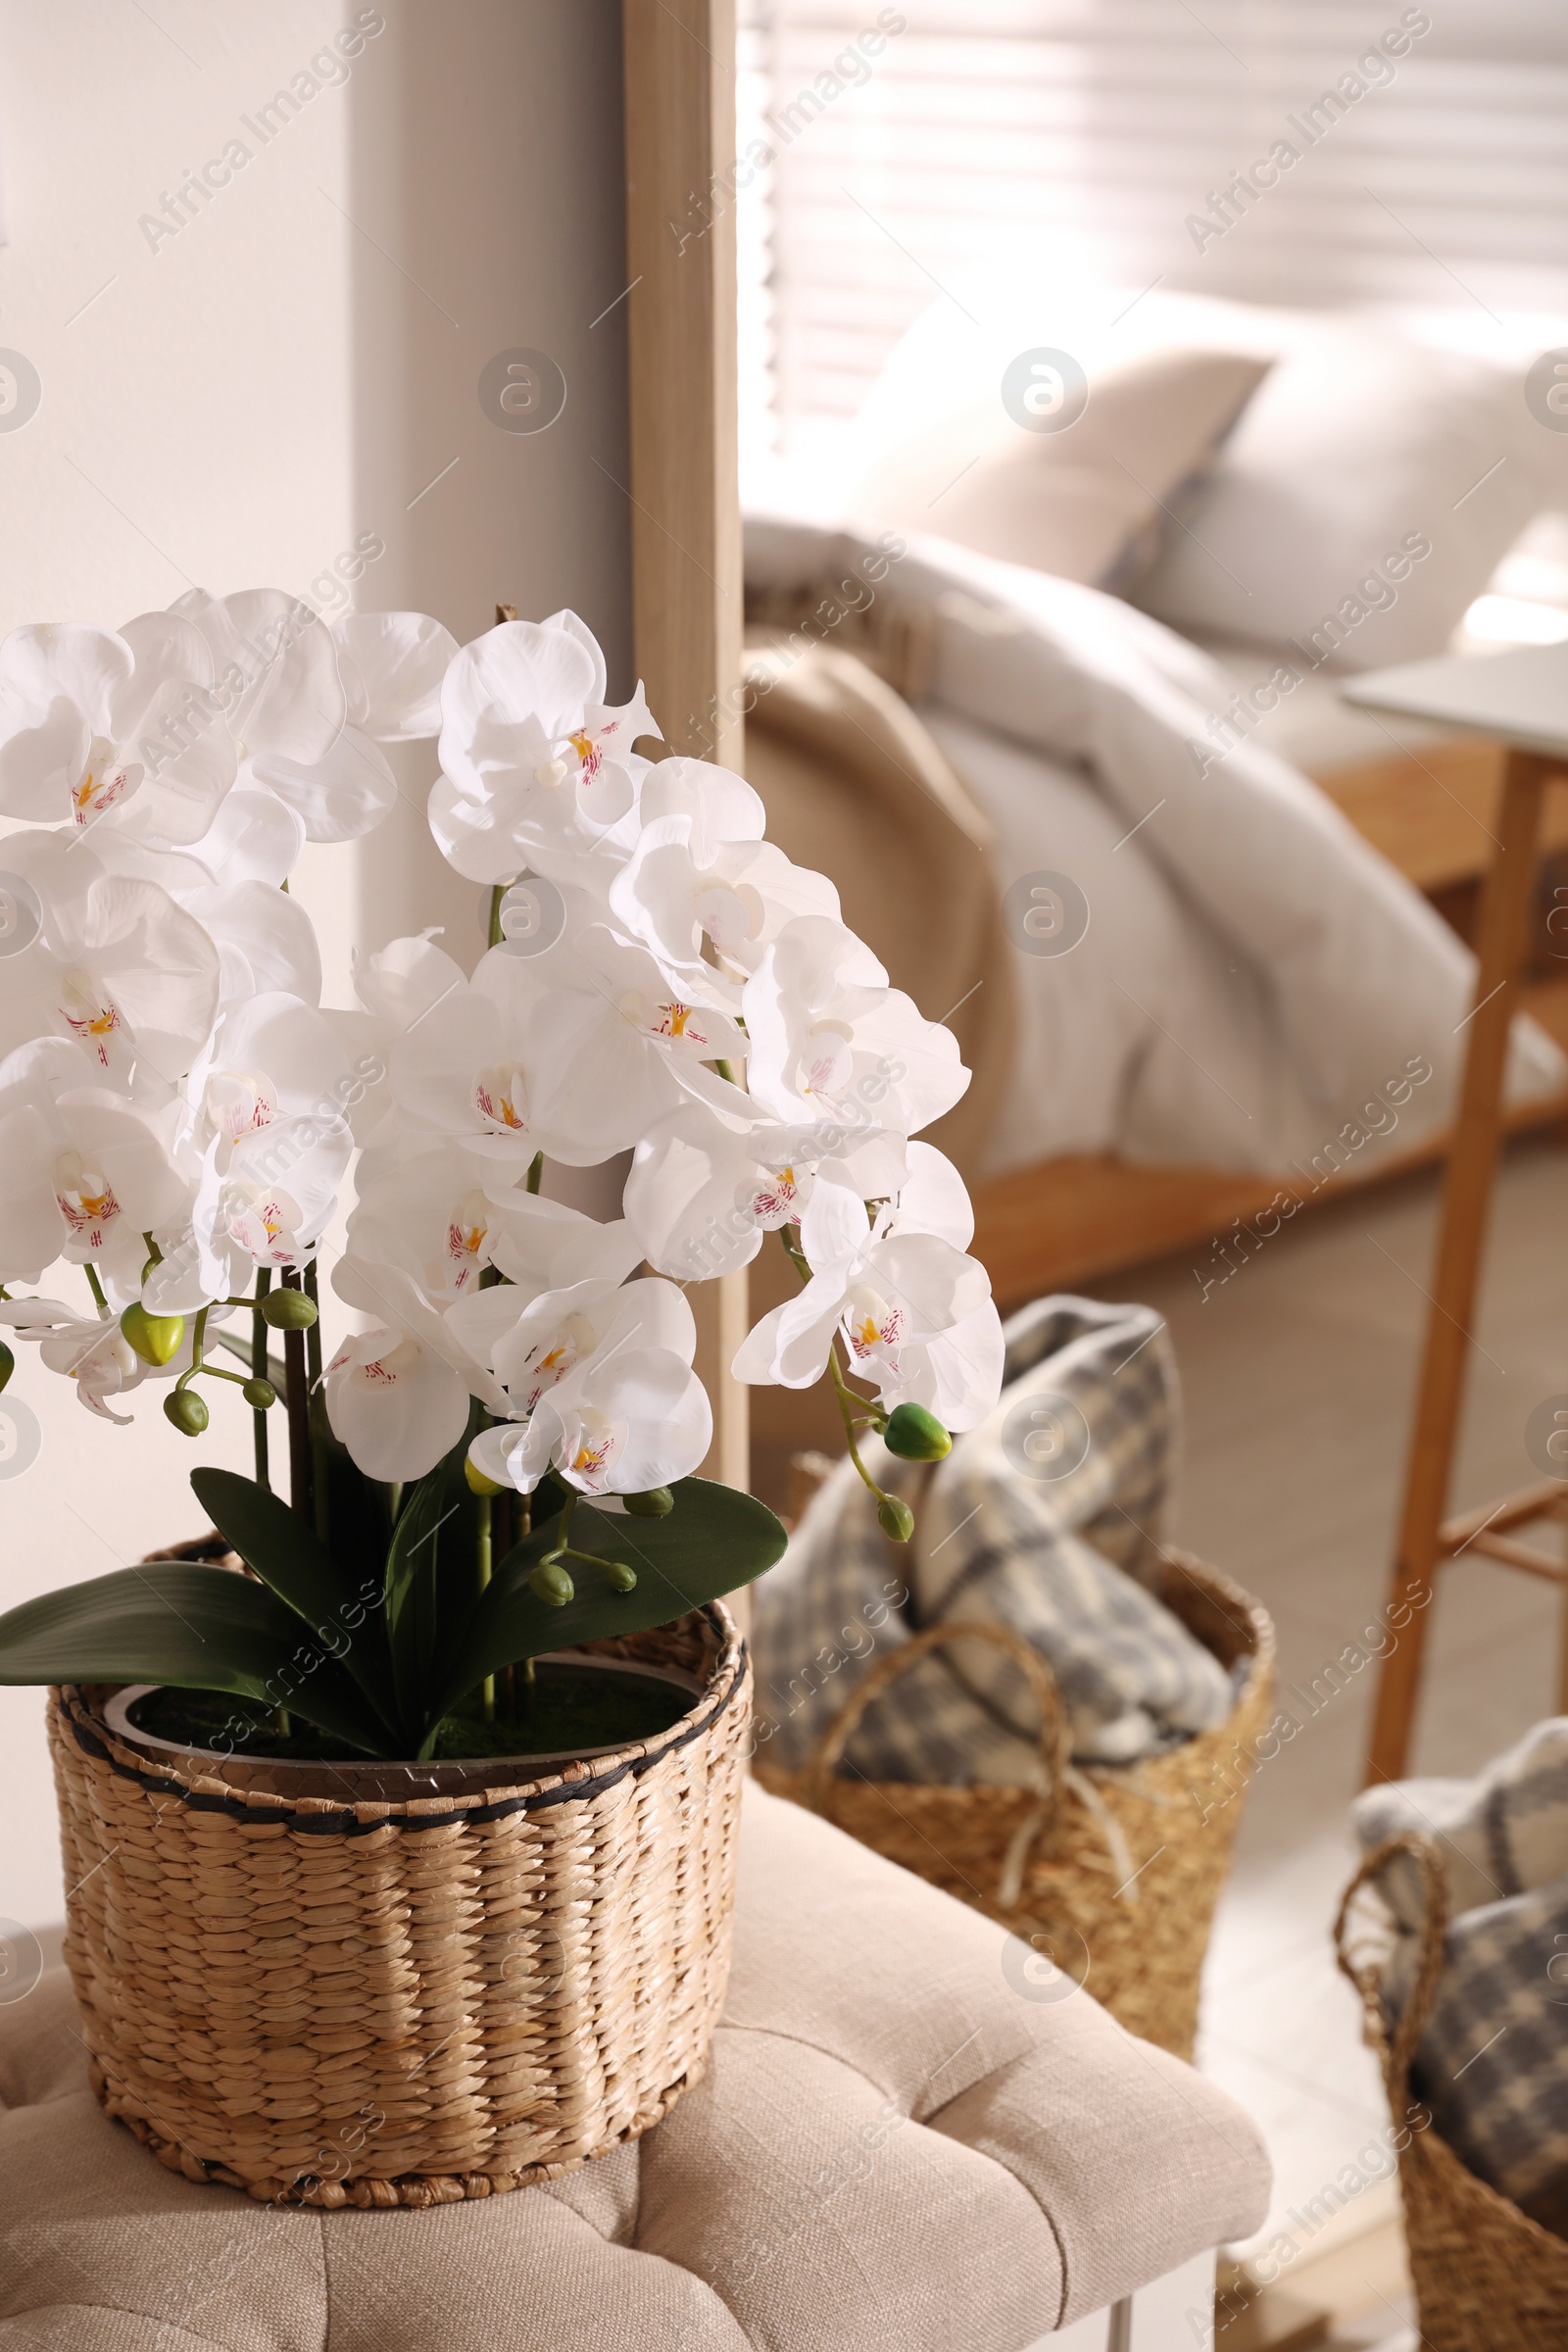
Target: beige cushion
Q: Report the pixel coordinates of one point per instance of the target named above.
(1088, 502)
(894, 2147)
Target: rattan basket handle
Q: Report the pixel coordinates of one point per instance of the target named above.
(1056, 1732)
(1406, 2038)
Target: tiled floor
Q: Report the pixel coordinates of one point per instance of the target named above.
(1299, 1376)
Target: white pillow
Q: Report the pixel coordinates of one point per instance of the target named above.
(1363, 499)
(1085, 501)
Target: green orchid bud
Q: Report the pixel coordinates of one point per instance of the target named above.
(915, 1436)
(478, 1484)
(550, 1582)
(186, 1411)
(657, 1503)
(261, 1394)
(895, 1519)
(620, 1577)
(8, 1363)
(288, 1310)
(155, 1338)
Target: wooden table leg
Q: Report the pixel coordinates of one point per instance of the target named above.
(1505, 932)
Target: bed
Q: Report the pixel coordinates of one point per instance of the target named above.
(1258, 996)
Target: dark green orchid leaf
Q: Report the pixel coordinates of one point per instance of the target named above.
(341, 1609)
(196, 1626)
(715, 1540)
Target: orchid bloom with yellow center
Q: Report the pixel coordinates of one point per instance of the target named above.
(86, 1199)
(108, 776)
(89, 1013)
(501, 1099)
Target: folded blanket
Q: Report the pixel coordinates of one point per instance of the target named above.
(1045, 1518)
(1499, 1834)
(1493, 2062)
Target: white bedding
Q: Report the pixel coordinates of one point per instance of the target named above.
(1253, 974)
(1313, 727)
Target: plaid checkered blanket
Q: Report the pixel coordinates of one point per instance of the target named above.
(1492, 2064)
(1045, 1518)
(1501, 1833)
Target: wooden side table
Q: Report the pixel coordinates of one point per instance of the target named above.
(1519, 700)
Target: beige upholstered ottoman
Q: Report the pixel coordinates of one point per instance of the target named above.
(900, 2144)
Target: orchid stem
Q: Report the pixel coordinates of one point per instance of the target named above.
(850, 1402)
(847, 1399)
(524, 1526)
(316, 1404)
(563, 1549)
(299, 1408)
(198, 1345)
(497, 935)
(536, 1169)
(264, 1283)
(482, 1547)
(96, 1287)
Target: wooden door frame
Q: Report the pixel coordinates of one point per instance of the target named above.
(679, 86)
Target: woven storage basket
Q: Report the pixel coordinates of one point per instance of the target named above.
(1115, 1872)
(406, 2002)
(1487, 2279)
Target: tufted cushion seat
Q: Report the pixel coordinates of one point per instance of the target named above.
(905, 2139)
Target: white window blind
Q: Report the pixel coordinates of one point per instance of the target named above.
(1096, 130)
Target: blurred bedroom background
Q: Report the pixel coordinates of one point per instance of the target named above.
(1250, 320)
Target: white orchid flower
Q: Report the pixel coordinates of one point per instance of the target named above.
(461, 1069)
(599, 1387)
(266, 941)
(305, 701)
(613, 1047)
(536, 768)
(444, 1214)
(428, 1213)
(275, 671)
(705, 1189)
(397, 1394)
(264, 1117)
(544, 1246)
(83, 1173)
(255, 837)
(341, 796)
(916, 1313)
(116, 965)
(677, 890)
(270, 1057)
(392, 665)
(90, 1350)
(115, 727)
(829, 1037)
(405, 979)
(263, 1199)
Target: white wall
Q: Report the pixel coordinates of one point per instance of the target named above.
(236, 404)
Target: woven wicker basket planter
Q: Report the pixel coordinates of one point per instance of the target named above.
(1115, 1874)
(359, 2000)
(1487, 2277)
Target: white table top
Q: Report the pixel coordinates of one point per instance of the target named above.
(1518, 697)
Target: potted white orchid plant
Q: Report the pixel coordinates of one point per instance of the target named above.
(497, 1462)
